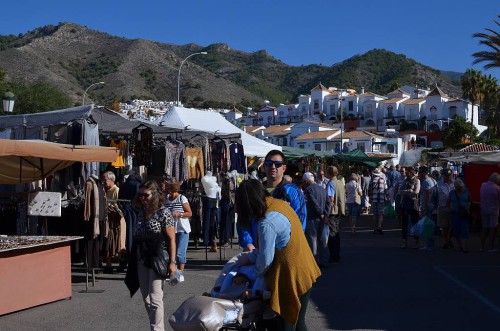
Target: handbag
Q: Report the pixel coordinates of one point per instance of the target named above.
(334, 224)
(357, 196)
(159, 263)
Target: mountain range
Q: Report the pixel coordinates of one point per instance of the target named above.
(73, 57)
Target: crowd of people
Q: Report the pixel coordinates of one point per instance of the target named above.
(277, 215)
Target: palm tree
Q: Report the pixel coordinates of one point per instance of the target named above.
(492, 41)
(472, 89)
(490, 104)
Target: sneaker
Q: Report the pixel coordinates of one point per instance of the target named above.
(214, 249)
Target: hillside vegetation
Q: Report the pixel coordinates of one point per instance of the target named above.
(72, 57)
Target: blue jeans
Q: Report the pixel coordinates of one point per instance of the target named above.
(319, 248)
(181, 240)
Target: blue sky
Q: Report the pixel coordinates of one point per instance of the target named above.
(437, 33)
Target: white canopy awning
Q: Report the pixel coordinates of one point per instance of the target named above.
(214, 123)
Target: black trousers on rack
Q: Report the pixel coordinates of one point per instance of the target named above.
(226, 220)
(210, 220)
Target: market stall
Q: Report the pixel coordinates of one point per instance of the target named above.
(36, 269)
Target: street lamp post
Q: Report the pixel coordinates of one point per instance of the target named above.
(341, 123)
(8, 102)
(179, 76)
(84, 93)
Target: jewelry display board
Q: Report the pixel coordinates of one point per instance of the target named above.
(44, 204)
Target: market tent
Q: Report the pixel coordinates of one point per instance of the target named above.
(214, 123)
(292, 153)
(25, 161)
(490, 157)
(61, 116)
(360, 157)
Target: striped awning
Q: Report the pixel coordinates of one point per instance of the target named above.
(479, 147)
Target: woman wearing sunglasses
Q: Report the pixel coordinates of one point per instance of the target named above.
(154, 224)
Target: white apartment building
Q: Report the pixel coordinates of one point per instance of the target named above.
(422, 109)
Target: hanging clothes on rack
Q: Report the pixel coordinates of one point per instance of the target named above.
(122, 147)
(219, 155)
(237, 158)
(176, 163)
(195, 162)
(228, 192)
(143, 142)
(202, 142)
(90, 138)
(95, 216)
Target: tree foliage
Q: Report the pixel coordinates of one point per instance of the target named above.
(458, 130)
(36, 97)
(492, 41)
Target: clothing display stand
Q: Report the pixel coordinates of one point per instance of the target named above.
(87, 276)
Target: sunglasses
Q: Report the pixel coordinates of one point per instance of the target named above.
(144, 195)
(269, 163)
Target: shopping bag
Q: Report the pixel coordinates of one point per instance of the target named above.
(418, 228)
(428, 228)
(389, 211)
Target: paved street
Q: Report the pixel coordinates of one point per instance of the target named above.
(376, 286)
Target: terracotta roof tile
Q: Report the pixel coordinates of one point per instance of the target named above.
(437, 92)
(317, 135)
(479, 147)
(273, 129)
(393, 100)
(413, 101)
(398, 91)
(319, 87)
(360, 134)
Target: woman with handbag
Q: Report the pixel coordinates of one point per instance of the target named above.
(148, 259)
(353, 201)
(460, 202)
(181, 211)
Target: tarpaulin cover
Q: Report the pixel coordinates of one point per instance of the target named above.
(24, 161)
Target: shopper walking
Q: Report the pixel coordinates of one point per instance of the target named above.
(289, 270)
(353, 200)
(178, 205)
(409, 205)
(378, 194)
(490, 206)
(460, 203)
(445, 187)
(428, 202)
(155, 224)
(338, 209)
(317, 211)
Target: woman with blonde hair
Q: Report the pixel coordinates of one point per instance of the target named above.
(353, 200)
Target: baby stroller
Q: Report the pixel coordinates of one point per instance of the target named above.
(226, 307)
